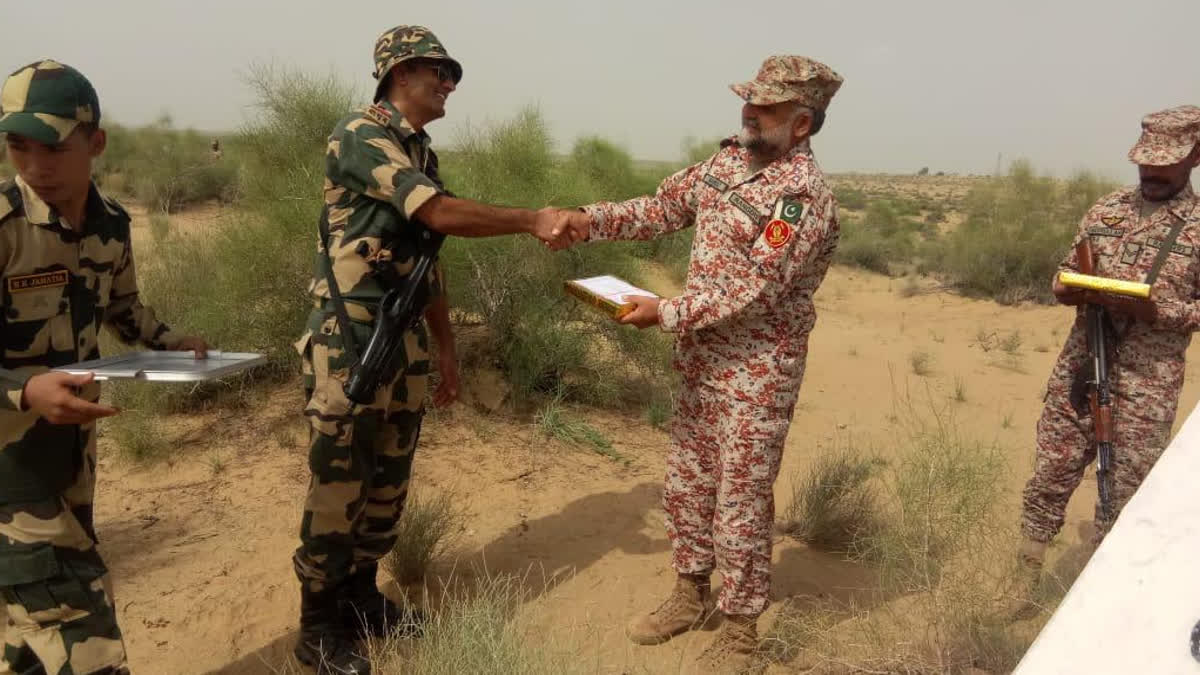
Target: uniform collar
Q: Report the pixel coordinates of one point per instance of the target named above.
(397, 122)
(1184, 203)
(38, 212)
(1181, 205)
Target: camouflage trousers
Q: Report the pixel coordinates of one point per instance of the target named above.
(1065, 449)
(57, 591)
(360, 460)
(718, 492)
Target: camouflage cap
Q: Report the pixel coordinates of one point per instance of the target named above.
(1167, 136)
(409, 42)
(791, 78)
(45, 101)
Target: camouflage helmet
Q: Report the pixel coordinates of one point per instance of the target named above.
(403, 43)
(45, 101)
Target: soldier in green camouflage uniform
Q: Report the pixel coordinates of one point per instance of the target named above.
(67, 266)
(382, 194)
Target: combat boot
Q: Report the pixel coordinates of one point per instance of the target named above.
(732, 651)
(1019, 605)
(365, 609)
(682, 611)
(324, 642)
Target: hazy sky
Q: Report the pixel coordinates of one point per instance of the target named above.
(948, 84)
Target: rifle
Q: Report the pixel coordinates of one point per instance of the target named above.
(1099, 394)
(399, 311)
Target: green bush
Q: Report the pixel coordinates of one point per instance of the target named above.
(160, 227)
(165, 168)
(938, 552)
(545, 341)
(243, 285)
(479, 630)
(850, 198)
(426, 530)
(872, 248)
(1017, 230)
(940, 499)
(834, 505)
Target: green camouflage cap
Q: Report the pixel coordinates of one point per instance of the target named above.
(409, 42)
(45, 101)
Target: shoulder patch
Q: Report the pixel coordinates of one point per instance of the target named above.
(778, 233)
(790, 210)
(378, 114)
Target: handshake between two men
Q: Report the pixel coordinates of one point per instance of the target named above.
(561, 228)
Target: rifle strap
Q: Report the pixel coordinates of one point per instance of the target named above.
(349, 343)
(1166, 247)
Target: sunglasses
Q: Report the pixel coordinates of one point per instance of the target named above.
(443, 70)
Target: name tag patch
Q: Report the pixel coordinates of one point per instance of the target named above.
(33, 282)
(745, 207)
(379, 115)
(715, 183)
(1105, 231)
(1179, 249)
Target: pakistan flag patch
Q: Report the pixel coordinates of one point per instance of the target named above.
(787, 215)
(790, 211)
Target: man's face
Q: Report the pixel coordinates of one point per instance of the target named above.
(427, 85)
(1160, 183)
(57, 173)
(771, 130)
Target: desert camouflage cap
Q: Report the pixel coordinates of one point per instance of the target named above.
(409, 42)
(1167, 136)
(45, 101)
(791, 78)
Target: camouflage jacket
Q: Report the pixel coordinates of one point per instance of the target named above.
(763, 243)
(378, 172)
(59, 287)
(1146, 369)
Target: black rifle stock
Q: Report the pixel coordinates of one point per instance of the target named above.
(399, 311)
(1099, 393)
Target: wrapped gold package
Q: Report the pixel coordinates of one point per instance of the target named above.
(1132, 289)
(605, 293)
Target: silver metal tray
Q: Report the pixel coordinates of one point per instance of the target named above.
(166, 366)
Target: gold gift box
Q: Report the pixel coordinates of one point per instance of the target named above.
(613, 309)
(605, 294)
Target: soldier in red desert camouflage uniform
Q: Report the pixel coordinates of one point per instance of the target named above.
(1128, 230)
(766, 228)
